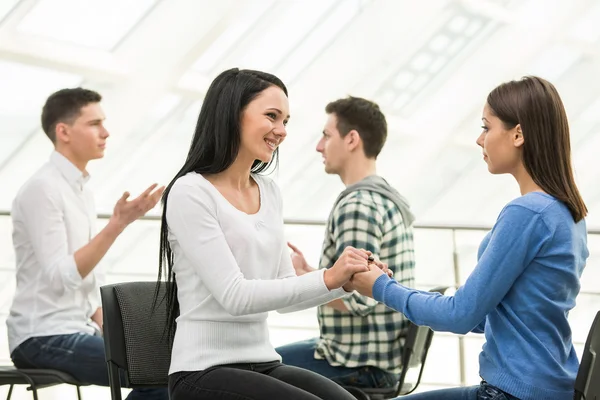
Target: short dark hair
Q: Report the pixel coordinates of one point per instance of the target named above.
(535, 104)
(365, 117)
(65, 106)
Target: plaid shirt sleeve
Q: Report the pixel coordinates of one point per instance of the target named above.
(369, 334)
(357, 223)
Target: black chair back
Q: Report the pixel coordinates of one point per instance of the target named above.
(134, 335)
(587, 383)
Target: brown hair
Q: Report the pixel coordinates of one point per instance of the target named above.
(65, 106)
(365, 117)
(535, 104)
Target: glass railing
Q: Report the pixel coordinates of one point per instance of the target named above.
(445, 256)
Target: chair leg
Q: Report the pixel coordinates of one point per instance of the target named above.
(78, 393)
(10, 389)
(114, 381)
(34, 390)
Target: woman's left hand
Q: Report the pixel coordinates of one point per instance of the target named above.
(363, 281)
(382, 266)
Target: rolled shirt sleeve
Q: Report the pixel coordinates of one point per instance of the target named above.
(41, 213)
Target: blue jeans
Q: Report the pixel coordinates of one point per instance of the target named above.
(301, 354)
(484, 391)
(80, 355)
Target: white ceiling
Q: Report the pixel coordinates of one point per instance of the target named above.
(429, 64)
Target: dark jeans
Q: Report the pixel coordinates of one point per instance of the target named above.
(80, 355)
(484, 391)
(261, 381)
(301, 354)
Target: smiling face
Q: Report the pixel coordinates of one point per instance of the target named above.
(263, 125)
(501, 147)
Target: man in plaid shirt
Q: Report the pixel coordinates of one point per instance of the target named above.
(360, 340)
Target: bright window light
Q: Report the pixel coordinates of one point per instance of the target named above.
(555, 61)
(239, 25)
(401, 100)
(456, 45)
(319, 38)
(439, 43)
(403, 79)
(6, 6)
(25, 87)
(157, 114)
(474, 27)
(419, 83)
(438, 64)
(91, 23)
(421, 61)
(24, 91)
(387, 96)
(283, 33)
(436, 54)
(591, 113)
(587, 29)
(458, 23)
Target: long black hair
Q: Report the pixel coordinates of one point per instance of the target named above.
(214, 148)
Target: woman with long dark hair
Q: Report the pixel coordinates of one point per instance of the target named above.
(529, 265)
(222, 250)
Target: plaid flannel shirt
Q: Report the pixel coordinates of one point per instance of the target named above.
(368, 333)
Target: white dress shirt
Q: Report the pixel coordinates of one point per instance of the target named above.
(53, 216)
(231, 269)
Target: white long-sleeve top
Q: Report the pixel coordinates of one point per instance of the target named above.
(53, 216)
(231, 268)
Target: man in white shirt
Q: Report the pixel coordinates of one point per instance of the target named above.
(56, 312)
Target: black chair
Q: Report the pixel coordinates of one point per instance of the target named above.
(36, 379)
(414, 353)
(587, 383)
(134, 338)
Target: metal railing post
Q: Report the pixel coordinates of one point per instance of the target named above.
(457, 283)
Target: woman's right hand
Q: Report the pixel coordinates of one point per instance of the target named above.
(351, 261)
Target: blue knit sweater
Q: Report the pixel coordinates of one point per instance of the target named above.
(520, 293)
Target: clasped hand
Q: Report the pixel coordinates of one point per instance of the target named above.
(362, 279)
(355, 269)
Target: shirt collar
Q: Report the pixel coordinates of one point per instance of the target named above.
(71, 173)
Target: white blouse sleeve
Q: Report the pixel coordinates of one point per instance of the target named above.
(192, 219)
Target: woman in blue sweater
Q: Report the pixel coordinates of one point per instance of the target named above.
(527, 275)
